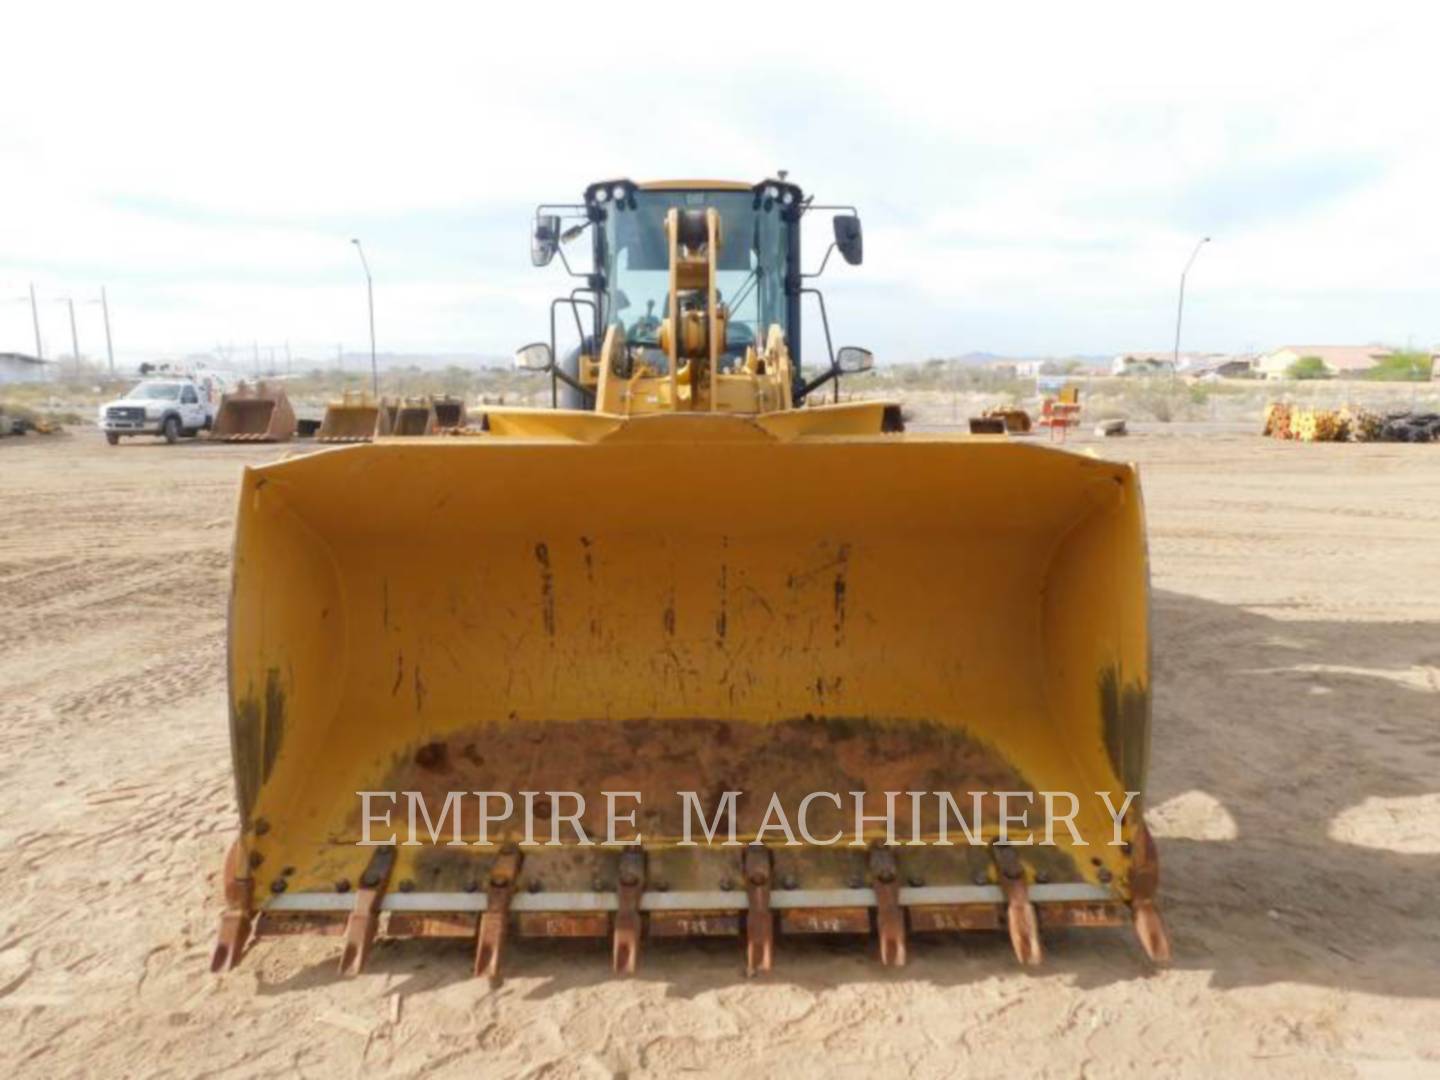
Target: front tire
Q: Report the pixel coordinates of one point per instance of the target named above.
(113, 438)
(171, 430)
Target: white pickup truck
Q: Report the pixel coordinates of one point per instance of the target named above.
(166, 407)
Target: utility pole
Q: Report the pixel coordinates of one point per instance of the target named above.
(74, 336)
(109, 347)
(1180, 307)
(35, 318)
(370, 297)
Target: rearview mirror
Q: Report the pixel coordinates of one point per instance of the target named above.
(545, 240)
(848, 238)
(534, 357)
(852, 360)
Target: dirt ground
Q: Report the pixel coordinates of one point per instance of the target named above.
(1295, 789)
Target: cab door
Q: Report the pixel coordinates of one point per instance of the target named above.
(192, 412)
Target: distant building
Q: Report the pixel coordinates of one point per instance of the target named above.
(22, 368)
(1222, 367)
(1338, 359)
(1143, 363)
(1026, 369)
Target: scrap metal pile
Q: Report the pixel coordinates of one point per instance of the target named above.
(1284, 421)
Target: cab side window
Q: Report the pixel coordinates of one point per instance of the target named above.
(188, 396)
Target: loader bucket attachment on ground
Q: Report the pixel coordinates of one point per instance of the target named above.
(414, 416)
(259, 413)
(692, 604)
(449, 413)
(356, 417)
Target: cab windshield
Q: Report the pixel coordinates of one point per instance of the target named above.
(750, 276)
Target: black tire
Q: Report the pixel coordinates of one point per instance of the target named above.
(113, 438)
(171, 430)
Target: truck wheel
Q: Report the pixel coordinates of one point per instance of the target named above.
(171, 430)
(113, 438)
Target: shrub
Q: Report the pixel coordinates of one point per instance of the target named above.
(1308, 367)
(1402, 367)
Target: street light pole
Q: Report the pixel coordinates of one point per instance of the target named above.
(35, 318)
(74, 337)
(1180, 306)
(109, 346)
(370, 299)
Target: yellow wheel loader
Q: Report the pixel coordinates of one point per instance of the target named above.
(695, 652)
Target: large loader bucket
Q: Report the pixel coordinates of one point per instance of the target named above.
(259, 413)
(356, 417)
(414, 416)
(450, 413)
(690, 604)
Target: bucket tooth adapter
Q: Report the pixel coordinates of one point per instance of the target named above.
(700, 650)
(258, 413)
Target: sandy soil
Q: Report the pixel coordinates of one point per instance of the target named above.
(1295, 788)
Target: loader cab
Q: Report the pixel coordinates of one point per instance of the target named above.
(692, 297)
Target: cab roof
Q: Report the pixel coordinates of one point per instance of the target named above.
(695, 185)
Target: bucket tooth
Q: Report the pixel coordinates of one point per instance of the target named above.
(490, 942)
(1019, 911)
(235, 923)
(1144, 882)
(365, 917)
(626, 952)
(889, 915)
(759, 919)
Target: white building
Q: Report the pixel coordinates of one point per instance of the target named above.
(1338, 359)
(21, 368)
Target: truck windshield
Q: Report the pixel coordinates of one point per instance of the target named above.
(750, 276)
(155, 392)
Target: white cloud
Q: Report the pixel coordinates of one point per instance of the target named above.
(1032, 178)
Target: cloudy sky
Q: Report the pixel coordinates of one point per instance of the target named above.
(1031, 180)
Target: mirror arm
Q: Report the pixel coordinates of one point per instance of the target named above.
(828, 252)
(560, 250)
